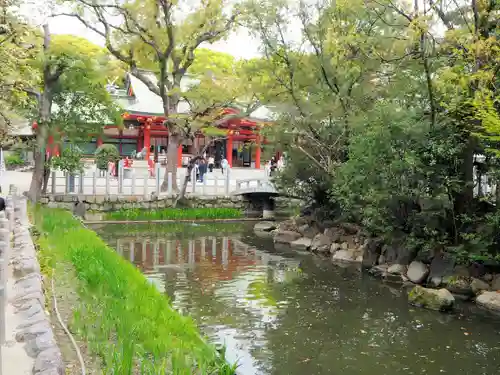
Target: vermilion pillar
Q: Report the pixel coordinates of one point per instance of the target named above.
(147, 140)
(229, 150)
(50, 144)
(257, 153)
(55, 150)
(99, 141)
(179, 156)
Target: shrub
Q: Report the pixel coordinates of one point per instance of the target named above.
(13, 160)
(70, 161)
(104, 154)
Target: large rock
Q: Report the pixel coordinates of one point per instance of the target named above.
(264, 226)
(345, 256)
(434, 299)
(287, 226)
(372, 249)
(301, 244)
(334, 233)
(398, 253)
(495, 283)
(441, 266)
(397, 269)
(459, 285)
(417, 272)
(489, 300)
(321, 244)
(478, 286)
(308, 231)
(286, 237)
(49, 360)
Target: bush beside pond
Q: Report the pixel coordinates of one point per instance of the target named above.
(123, 318)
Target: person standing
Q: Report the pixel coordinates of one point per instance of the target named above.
(281, 163)
(202, 168)
(224, 164)
(211, 162)
(273, 166)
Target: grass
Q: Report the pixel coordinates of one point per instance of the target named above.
(175, 214)
(122, 317)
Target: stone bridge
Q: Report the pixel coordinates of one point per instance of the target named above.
(258, 195)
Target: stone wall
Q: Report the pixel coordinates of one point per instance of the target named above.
(97, 203)
(28, 325)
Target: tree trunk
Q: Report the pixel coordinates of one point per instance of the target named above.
(172, 147)
(189, 172)
(190, 167)
(463, 199)
(39, 156)
(44, 101)
(46, 175)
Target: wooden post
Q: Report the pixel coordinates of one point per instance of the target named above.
(132, 188)
(94, 182)
(169, 182)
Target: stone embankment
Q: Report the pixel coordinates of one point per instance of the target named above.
(346, 244)
(29, 337)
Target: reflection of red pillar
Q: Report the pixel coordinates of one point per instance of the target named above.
(229, 150)
(140, 144)
(257, 153)
(179, 156)
(147, 139)
(99, 141)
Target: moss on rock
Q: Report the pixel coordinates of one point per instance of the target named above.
(433, 299)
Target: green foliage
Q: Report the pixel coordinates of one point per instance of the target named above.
(176, 214)
(122, 317)
(14, 160)
(104, 154)
(70, 161)
(380, 118)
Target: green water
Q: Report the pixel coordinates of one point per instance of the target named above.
(284, 313)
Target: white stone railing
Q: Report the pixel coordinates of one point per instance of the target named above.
(128, 182)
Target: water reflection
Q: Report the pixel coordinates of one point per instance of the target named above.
(283, 313)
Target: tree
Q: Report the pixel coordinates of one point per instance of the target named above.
(72, 100)
(387, 113)
(104, 154)
(135, 31)
(16, 49)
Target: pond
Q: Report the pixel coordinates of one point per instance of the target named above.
(286, 313)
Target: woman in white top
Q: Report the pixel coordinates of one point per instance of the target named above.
(211, 162)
